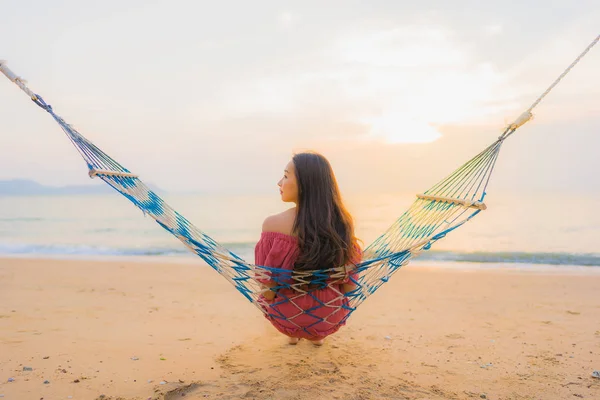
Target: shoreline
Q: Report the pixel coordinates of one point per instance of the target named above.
(197, 261)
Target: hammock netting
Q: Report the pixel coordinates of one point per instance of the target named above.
(441, 209)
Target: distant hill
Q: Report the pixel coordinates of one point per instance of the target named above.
(24, 187)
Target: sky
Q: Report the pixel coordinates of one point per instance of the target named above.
(215, 97)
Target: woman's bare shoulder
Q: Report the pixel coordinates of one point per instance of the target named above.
(282, 222)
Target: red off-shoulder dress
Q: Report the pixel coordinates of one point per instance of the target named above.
(313, 315)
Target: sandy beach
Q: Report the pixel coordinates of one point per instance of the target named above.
(154, 330)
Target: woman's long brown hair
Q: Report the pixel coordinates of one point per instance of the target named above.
(324, 227)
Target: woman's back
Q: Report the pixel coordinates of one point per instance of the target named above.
(281, 223)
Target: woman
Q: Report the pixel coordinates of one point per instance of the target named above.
(316, 234)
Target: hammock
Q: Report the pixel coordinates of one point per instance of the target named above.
(438, 211)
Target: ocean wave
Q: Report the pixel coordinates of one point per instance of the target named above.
(57, 250)
(541, 258)
(246, 250)
(21, 219)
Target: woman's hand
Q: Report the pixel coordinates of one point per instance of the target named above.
(269, 294)
(348, 287)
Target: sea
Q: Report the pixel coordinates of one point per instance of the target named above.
(523, 231)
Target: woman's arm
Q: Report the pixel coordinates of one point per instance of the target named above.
(351, 277)
(274, 223)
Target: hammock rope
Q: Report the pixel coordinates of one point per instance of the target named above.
(438, 211)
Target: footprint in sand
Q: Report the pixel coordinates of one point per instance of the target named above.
(455, 336)
(266, 367)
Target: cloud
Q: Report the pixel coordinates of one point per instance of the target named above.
(286, 19)
(400, 84)
(494, 29)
